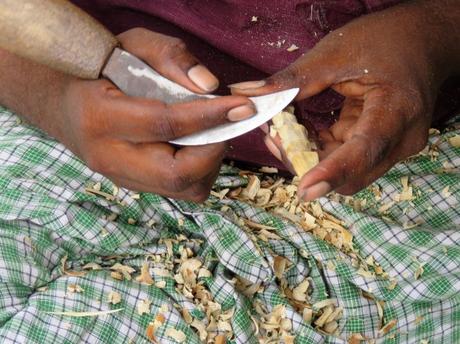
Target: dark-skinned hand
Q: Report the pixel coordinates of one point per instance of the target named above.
(389, 70)
(125, 138)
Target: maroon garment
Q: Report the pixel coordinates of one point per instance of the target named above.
(224, 36)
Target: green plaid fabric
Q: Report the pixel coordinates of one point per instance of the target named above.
(46, 215)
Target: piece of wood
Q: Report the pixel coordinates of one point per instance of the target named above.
(294, 140)
(57, 34)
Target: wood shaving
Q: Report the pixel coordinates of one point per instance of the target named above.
(135, 196)
(92, 266)
(124, 270)
(355, 338)
(250, 191)
(177, 335)
(86, 314)
(114, 297)
(70, 272)
(268, 170)
(455, 141)
(299, 293)
(324, 303)
(143, 306)
(74, 288)
(145, 277)
(292, 48)
(153, 326)
(160, 284)
(445, 192)
(96, 190)
(116, 275)
(388, 327)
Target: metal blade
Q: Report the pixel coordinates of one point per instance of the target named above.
(135, 78)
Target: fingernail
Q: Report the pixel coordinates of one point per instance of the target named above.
(241, 112)
(273, 148)
(203, 78)
(247, 85)
(315, 191)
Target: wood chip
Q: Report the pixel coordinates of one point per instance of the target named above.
(70, 272)
(92, 266)
(177, 335)
(279, 266)
(269, 170)
(299, 293)
(114, 297)
(74, 288)
(355, 338)
(145, 277)
(307, 315)
(327, 311)
(445, 192)
(160, 284)
(143, 306)
(455, 141)
(292, 48)
(116, 275)
(324, 303)
(125, 270)
(387, 328)
(153, 326)
(95, 191)
(250, 191)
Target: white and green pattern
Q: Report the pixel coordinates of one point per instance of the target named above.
(46, 215)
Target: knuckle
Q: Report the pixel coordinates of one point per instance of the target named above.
(174, 47)
(286, 77)
(165, 128)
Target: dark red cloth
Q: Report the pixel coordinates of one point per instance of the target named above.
(222, 34)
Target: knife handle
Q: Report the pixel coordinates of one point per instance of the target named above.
(57, 34)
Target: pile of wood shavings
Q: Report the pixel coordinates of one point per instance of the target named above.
(278, 196)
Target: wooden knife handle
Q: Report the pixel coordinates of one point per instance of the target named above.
(55, 33)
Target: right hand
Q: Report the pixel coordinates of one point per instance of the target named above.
(126, 138)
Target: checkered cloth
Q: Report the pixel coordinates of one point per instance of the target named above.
(46, 215)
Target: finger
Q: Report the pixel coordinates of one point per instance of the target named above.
(272, 147)
(312, 73)
(366, 147)
(412, 142)
(169, 56)
(194, 193)
(143, 120)
(161, 169)
(199, 161)
(343, 126)
(275, 147)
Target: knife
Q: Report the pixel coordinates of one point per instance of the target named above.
(60, 35)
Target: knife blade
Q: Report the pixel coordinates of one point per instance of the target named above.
(136, 78)
(63, 37)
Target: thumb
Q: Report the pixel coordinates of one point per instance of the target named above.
(312, 73)
(170, 57)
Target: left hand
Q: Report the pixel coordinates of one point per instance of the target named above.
(389, 67)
